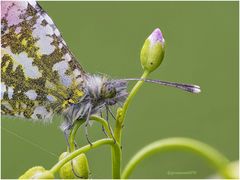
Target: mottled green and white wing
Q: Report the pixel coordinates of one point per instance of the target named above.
(39, 74)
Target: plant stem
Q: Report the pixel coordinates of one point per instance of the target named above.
(77, 152)
(213, 156)
(116, 150)
(122, 112)
(103, 122)
(73, 132)
(117, 157)
(78, 123)
(116, 161)
(133, 93)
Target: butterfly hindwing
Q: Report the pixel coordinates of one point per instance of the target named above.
(39, 74)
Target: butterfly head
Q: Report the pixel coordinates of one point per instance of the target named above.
(114, 91)
(103, 90)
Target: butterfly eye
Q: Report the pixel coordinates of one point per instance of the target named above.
(108, 90)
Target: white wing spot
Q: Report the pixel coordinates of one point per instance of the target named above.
(51, 98)
(67, 57)
(41, 110)
(10, 92)
(31, 94)
(60, 45)
(61, 68)
(44, 42)
(42, 33)
(3, 89)
(76, 72)
(23, 59)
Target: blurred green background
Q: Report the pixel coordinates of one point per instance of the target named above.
(202, 48)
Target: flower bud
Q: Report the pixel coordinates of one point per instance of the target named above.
(82, 165)
(37, 172)
(66, 170)
(152, 52)
(79, 165)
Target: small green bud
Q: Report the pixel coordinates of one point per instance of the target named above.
(82, 166)
(66, 170)
(152, 52)
(78, 164)
(37, 172)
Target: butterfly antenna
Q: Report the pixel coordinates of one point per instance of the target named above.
(186, 87)
(113, 116)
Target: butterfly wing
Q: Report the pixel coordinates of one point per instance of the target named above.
(39, 74)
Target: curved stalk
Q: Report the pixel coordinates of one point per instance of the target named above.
(122, 111)
(213, 156)
(78, 123)
(133, 93)
(116, 151)
(103, 122)
(77, 152)
(115, 147)
(72, 135)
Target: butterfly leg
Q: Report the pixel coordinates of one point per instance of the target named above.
(103, 129)
(86, 125)
(112, 113)
(109, 127)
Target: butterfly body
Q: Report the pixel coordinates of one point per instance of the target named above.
(40, 77)
(99, 93)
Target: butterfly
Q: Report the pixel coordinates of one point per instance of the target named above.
(40, 76)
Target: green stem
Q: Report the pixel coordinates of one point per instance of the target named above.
(117, 157)
(116, 150)
(122, 112)
(133, 93)
(213, 156)
(103, 122)
(73, 132)
(77, 152)
(78, 123)
(116, 161)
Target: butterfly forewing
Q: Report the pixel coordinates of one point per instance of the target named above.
(39, 74)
